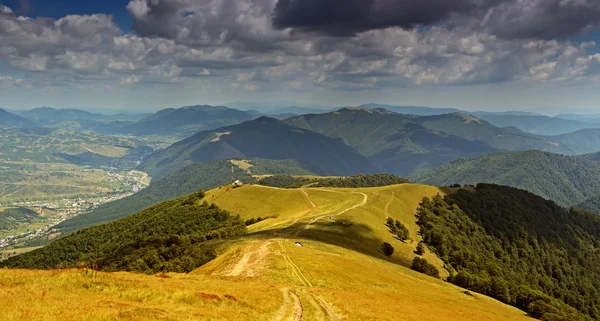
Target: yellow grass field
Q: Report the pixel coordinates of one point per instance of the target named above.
(337, 274)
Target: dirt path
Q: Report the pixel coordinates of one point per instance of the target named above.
(308, 198)
(298, 310)
(295, 269)
(387, 206)
(252, 261)
(364, 201)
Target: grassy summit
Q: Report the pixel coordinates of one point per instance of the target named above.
(339, 272)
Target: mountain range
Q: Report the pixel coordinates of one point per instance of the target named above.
(564, 179)
(392, 141)
(261, 138)
(8, 119)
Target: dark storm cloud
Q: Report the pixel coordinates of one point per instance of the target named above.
(543, 19)
(344, 17)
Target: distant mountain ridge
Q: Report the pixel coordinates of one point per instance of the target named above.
(540, 125)
(9, 119)
(186, 121)
(390, 140)
(564, 179)
(260, 138)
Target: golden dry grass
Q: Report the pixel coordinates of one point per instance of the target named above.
(338, 273)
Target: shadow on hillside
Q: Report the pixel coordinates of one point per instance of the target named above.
(349, 235)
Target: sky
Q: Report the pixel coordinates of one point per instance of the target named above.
(534, 55)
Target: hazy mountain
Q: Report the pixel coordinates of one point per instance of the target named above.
(564, 179)
(391, 141)
(586, 118)
(507, 138)
(541, 125)
(49, 115)
(414, 110)
(185, 121)
(11, 120)
(581, 142)
(264, 138)
(276, 107)
(591, 156)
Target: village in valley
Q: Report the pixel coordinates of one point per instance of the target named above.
(53, 212)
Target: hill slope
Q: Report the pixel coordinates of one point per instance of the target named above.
(564, 179)
(262, 275)
(540, 125)
(263, 138)
(205, 175)
(186, 121)
(177, 229)
(518, 248)
(8, 119)
(509, 138)
(391, 141)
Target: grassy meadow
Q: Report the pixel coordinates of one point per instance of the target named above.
(339, 272)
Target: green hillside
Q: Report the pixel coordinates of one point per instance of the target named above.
(592, 204)
(11, 218)
(8, 119)
(582, 141)
(168, 237)
(509, 138)
(564, 179)
(538, 124)
(261, 138)
(186, 121)
(205, 175)
(519, 248)
(391, 141)
(45, 144)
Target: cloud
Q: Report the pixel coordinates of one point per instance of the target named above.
(133, 79)
(539, 19)
(275, 44)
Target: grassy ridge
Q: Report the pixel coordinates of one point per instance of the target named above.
(338, 273)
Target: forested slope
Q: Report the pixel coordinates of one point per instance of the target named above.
(518, 248)
(564, 179)
(166, 237)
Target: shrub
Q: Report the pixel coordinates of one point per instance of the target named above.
(421, 265)
(420, 249)
(387, 249)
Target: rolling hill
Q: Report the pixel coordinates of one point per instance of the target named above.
(564, 179)
(508, 138)
(261, 275)
(392, 141)
(184, 122)
(50, 116)
(205, 175)
(46, 144)
(261, 138)
(8, 119)
(309, 250)
(540, 125)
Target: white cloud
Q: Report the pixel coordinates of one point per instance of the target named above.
(181, 41)
(131, 80)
